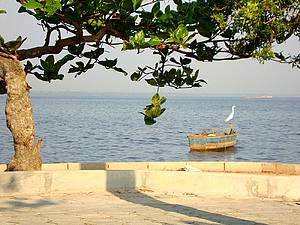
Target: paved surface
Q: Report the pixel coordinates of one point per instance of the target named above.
(144, 208)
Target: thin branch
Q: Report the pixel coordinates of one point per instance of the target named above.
(75, 23)
(151, 2)
(55, 28)
(48, 35)
(225, 59)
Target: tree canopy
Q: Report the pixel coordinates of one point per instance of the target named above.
(77, 33)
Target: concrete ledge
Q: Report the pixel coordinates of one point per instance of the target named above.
(229, 167)
(222, 179)
(225, 185)
(215, 184)
(208, 166)
(86, 166)
(55, 166)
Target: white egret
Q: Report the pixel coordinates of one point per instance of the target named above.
(230, 117)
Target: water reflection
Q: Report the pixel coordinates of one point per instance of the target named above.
(227, 154)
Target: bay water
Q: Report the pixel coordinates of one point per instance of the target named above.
(101, 128)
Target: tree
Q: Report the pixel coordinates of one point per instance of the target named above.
(78, 32)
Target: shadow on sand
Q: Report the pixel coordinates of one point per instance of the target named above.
(145, 200)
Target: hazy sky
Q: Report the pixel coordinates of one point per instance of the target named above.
(238, 77)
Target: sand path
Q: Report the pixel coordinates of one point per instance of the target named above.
(144, 208)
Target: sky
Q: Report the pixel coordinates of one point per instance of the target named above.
(238, 78)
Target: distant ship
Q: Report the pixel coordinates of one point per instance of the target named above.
(264, 97)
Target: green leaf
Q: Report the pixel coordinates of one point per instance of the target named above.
(174, 61)
(136, 4)
(96, 22)
(2, 11)
(163, 100)
(120, 70)
(185, 61)
(278, 55)
(81, 68)
(180, 35)
(156, 8)
(127, 45)
(80, 65)
(135, 76)
(149, 120)
(108, 64)
(50, 60)
(154, 41)
(155, 99)
(76, 50)
(94, 54)
(181, 32)
(33, 4)
(48, 65)
(74, 70)
(52, 6)
(22, 9)
(12, 46)
(63, 61)
(166, 17)
(140, 37)
(152, 82)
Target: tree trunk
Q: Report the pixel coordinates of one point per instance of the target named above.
(19, 115)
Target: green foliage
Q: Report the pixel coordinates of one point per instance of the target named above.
(81, 67)
(136, 4)
(52, 6)
(49, 7)
(33, 4)
(202, 30)
(76, 49)
(11, 46)
(154, 110)
(2, 11)
(181, 36)
(94, 54)
(163, 74)
(49, 69)
(265, 53)
(138, 41)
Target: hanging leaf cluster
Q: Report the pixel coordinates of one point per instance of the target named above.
(153, 110)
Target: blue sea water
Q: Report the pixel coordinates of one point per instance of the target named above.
(100, 128)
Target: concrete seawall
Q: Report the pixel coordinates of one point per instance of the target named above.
(217, 179)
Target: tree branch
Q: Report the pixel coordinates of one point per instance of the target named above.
(59, 45)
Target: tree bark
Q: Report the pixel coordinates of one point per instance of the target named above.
(19, 115)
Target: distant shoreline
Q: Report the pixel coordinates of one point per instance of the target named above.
(149, 94)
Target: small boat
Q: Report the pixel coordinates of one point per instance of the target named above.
(212, 140)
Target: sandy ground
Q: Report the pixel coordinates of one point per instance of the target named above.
(144, 208)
